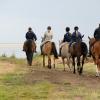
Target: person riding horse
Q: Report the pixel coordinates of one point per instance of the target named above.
(67, 38)
(76, 36)
(30, 35)
(96, 38)
(48, 36)
(97, 33)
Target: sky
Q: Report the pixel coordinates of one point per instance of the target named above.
(17, 15)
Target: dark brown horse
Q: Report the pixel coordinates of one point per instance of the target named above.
(95, 52)
(78, 50)
(29, 48)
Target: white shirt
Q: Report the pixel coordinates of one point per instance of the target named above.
(48, 36)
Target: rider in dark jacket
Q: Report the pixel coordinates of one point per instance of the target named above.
(96, 36)
(30, 35)
(97, 33)
(76, 36)
(67, 36)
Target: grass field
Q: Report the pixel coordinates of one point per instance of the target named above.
(21, 82)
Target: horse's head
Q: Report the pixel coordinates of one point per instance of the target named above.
(42, 39)
(91, 41)
(60, 42)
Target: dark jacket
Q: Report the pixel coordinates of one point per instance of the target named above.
(67, 37)
(97, 34)
(76, 38)
(31, 35)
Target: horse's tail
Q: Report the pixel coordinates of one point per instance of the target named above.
(54, 50)
(84, 48)
(29, 45)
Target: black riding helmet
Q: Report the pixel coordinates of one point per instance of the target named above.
(76, 28)
(49, 28)
(29, 28)
(67, 29)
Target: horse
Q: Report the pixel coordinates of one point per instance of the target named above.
(64, 49)
(29, 48)
(48, 49)
(95, 52)
(78, 50)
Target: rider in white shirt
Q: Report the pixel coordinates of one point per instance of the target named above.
(48, 36)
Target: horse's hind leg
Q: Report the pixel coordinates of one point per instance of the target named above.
(68, 63)
(81, 69)
(74, 65)
(54, 62)
(63, 63)
(97, 71)
(49, 62)
(43, 60)
(78, 64)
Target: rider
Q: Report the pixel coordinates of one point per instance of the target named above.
(97, 33)
(97, 38)
(76, 36)
(67, 38)
(30, 35)
(48, 36)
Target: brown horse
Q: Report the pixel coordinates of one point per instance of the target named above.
(29, 47)
(49, 49)
(78, 50)
(95, 51)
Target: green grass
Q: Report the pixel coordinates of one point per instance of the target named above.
(14, 86)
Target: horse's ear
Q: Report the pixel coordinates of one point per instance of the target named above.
(89, 38)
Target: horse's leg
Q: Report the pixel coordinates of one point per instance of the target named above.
(97, 66)
(43, 60)
(74, 64)
(81, 69)
(78, 64)
(68, 63)
(49, 61)
(54, 62)
(97, 71)
(63, 63)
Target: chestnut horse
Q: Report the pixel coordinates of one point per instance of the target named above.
(78, 50)
(95, 52)
(48, 49)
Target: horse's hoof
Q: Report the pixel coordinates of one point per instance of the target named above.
(49, 67)
(64, 70)
(80, 73)
(97, 75)
(74, 72)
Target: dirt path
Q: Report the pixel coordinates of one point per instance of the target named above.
(58, 76)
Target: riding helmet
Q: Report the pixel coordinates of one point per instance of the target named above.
(67, 29)
(76, 28)
(49, 28)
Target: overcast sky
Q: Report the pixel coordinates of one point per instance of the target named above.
(17, 15)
